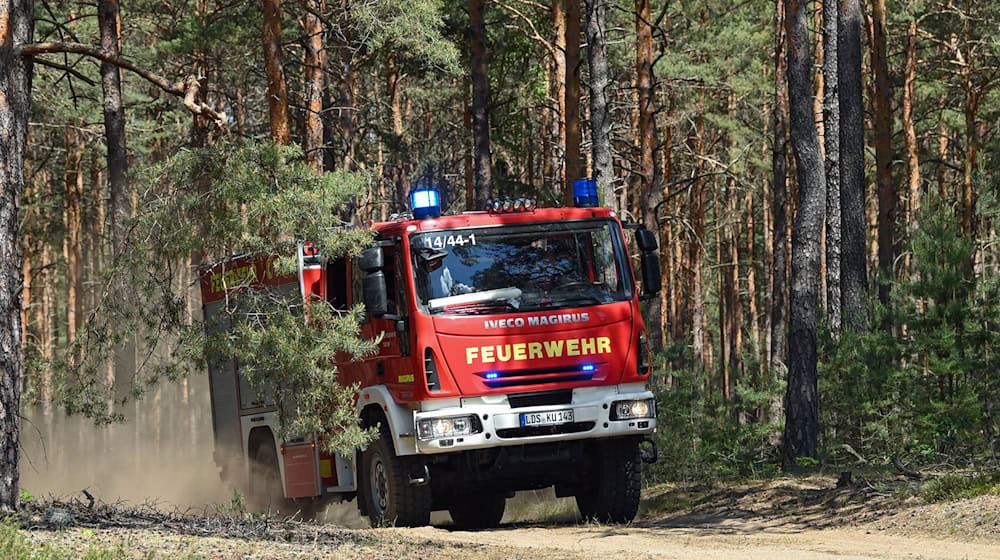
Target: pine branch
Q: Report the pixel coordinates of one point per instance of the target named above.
(187, 90)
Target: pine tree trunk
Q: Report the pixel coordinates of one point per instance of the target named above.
(910, 136)
(600, 123)
(558, 95)
(315, 67)
(831, 141)
(574, 162)
(109, 21)
(696, 260)
(73, 228)
(853, 275)
(480, 105)
(883, 153)
(801, 405)
(650, 192)
(401, 178)
(15, 108)
(277, 89)
(779, 289)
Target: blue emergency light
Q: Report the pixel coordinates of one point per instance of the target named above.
(426, 203)
(585, 193)
(588, 367)
(492, 374)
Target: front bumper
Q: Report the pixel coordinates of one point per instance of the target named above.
(501, 423)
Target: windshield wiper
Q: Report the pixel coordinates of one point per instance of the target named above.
(508, 295)
(479, 308)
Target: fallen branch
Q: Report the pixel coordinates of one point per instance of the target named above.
(187, 89)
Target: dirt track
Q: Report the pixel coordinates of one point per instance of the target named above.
(784, 519)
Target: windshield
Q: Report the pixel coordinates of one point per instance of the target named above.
(501, 269)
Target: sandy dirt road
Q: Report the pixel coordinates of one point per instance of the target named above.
(709, 544)
(810, 519)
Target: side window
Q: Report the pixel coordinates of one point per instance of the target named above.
(336, 283)
(357, 288)
(391, 277)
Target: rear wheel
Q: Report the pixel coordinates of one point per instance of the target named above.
(266, 492)
(390, 498)
(479, 512)
(614, 496)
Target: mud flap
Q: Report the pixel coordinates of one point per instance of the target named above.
(647, 450)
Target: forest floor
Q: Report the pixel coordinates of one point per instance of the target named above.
(802, 518)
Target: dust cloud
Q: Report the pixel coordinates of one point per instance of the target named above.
(161, 455)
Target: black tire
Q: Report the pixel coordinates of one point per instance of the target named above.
(266, 492)
(390, 499)
(614, 496)
(479, 512)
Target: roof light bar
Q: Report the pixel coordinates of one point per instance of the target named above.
(508, 205)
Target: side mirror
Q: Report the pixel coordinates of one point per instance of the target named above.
(651, 278)
(371, 259)
(646, 240)
(376, 294)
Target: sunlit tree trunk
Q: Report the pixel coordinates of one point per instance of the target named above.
(277, 89)
(831, 143)
(910, 136)
(558, 95)
(315, 67)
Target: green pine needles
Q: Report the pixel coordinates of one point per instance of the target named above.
(196, 209)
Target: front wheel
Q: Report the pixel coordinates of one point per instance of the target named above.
(390, 498)
(614, 496)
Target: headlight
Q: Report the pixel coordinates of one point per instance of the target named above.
(630, 410)
(452, 426)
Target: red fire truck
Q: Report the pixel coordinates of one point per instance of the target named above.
(512, 356)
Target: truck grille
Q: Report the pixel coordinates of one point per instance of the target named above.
(528, 377)
(543, 398)
(529, 431)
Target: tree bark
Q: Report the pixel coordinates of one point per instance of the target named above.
(853, 275)
(831, 141)
(73, 228)
(480, 105)
(277, 89)
(109, 21)
(801, 405)
(315, 66)
(883, 153)
(910, 136)
(574, 163)
(16, 21)
(649, 190)
(600, 123)
(558, 95)
(779, 324)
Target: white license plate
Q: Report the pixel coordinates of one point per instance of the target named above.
(547, 418)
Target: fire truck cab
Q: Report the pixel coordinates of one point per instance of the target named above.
(512, 356)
